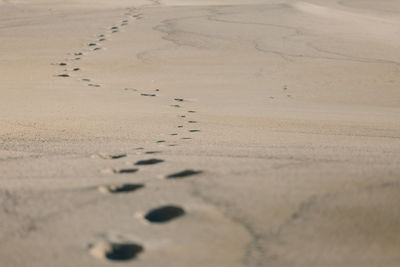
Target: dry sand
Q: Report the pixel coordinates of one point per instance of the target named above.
(297, 157)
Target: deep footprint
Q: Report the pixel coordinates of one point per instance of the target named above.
(121, 188)
(183, 174)
(149, 161)
(115, 251)
(164, 214)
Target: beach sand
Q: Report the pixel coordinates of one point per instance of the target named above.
(199, 133)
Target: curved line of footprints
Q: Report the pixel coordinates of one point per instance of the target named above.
(124, 251)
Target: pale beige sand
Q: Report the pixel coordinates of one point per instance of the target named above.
(297, 103)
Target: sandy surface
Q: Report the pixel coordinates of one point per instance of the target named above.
(297, 109)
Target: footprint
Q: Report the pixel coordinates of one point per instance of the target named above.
(180, 126)
(62, 64)
(192, 121)
(149, 161)
(76, 69)
(115, 251)
(186, 138)
(194, 131)
(97, 48)
(108, 156)
(178, 99)
(175, 106)
(93, 85)
(183, 174)
(164, 214)
(119, 171)
(78, 54)
(161, 141)
(148, 94)
(92, 44)
(191, 111)
(119, 188)
(86, 80)
(114, 28)
(152, 152)
(130, 89)
(63, 75)
(102, 39)
(182, 116)
(174, 134)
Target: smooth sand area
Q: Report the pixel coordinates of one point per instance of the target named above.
(199, 133)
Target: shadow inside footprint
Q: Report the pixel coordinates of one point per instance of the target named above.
(121, 188)
(164, 214)
(183, 174)
(149, 161)
(152, 152)
(115, 251)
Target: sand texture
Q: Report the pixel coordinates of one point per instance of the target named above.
(197, 133)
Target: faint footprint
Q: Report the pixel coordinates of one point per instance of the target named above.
(192, 121)
(111, 170)
(115, 251)
(108, 156)
(149, 161)
(164, 214)
(119, 188)
(183, 174)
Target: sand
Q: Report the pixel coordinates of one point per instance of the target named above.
(271, 127)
